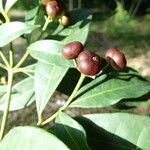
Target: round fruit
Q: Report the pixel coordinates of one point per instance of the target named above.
(53, 8)
(64, 21)
(88, 63)
(115, 58)
(72, 50)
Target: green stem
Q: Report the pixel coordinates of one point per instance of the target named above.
(50, 118)
(11, 58)
(8, 98)
(7, 19)
(22, 60)
(82, 77)
(3, 66)
(47, 21)
(39, 119)
(27, 53)
(24, 70)
(5, 15)
(11, 55)
(4, 59)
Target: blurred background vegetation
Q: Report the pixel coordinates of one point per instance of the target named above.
(124, 24)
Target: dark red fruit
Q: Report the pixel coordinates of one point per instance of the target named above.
(64, 21)
(54, 8)
(72, 50)
(115, 58)
(88, 63)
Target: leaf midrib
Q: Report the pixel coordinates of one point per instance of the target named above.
(47, 52)
(45, 91)
(107, 91)
(61, 119)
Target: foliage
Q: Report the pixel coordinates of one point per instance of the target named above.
(120, 21)
(51, 71)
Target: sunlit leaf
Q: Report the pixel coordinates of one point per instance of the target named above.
(47, 77)
(31, 138)
(49, 51)
(70, 132)
(120, 131)
(22, 95)
(109, 89)
(12, 30)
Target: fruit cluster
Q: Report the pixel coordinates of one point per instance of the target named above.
(89, 63)
(55, 8)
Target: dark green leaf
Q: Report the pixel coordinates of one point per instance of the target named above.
(70, 132)
(31, 138)
(12, 30)
(71, 79)
(131, 103)
(31, 13)
(22, 95)
(119, 131)
(109, 89)
(47, 78)
(48, 51)
(78, 31)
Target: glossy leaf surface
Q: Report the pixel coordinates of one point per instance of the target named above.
(12, 30)
(70, 132)
(120, 131)
(31, 138)
(49, 51)
(46, 79)
(109, 89)
(22, 95)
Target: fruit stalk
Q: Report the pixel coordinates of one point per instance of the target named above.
(8, 98)
(82, 77)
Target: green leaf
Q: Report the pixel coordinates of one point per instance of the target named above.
(31, 13)
(9, 4)
(132, 103)
(70, 132)
(109, 89)
(29, 70)
(22, 95)
(31, 138)
(12, 30)
(120, 131)
(3, 89)
(47, 78)
(1, 6)
(79, 28)
(49, 51)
